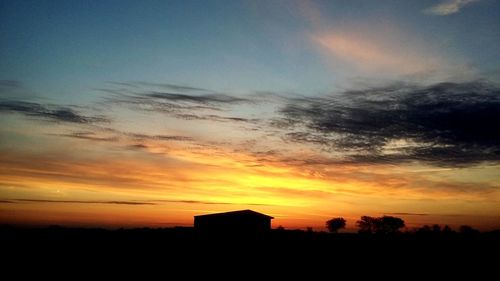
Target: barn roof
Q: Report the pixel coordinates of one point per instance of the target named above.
(236, 213)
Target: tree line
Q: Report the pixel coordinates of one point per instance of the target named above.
(390, 225)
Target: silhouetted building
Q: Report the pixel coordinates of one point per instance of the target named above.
(245, 221)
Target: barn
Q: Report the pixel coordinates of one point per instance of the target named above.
(245, 221)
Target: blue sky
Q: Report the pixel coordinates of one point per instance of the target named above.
(65, 49)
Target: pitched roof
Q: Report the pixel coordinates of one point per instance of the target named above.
(240, 212)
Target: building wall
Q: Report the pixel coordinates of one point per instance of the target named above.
(232, 223)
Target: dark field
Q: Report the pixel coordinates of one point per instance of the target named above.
(174, 248)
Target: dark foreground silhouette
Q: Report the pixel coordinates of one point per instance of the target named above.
(292, 249)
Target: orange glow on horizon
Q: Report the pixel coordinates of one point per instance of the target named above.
(178, 184)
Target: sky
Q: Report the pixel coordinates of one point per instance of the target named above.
(146, 113)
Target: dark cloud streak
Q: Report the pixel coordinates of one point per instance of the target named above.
(200, 99)
(167, 86)
(159, 137)
(208, 202)
(147, 202)
(52, 112)
(213, 117)
(449, 124)
(181, 102)
(84, 202)
(174, 87)
(407, 214)
(88, 136)
(117, 135)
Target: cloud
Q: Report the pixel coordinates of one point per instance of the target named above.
(448, 7)
(213, 117)
(167, 86)
(177, 96)
(450, 124)
(187, 103)
(200, 99)
(407, 214)
(383, 51)
(161, 137)
(146, 92)
(88, 136)
(148, 202)
(52, 112)
(129, 140)
(138, 146)
(174, 87)
(368, 55)
(84, 202)
(208, 202)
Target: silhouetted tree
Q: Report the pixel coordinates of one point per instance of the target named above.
(447, 230)
(367, 224)
(389, 224)
(468, 230)
(424, 230)
(436, 229)
(335, 224)
(382, 225)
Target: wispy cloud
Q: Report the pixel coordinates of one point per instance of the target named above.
(381, 50)
(200, 99)
(88, 136)
(385, 52)
(217, 118)
(142, 92)
(407, 214)
(207, 202)
(397, 123)
(174, 87)
(159, 137)
(147, 202)
(167, 86)
(83, 202)
(371, 55)
(183, 99)
(50, 112)
(183, 102)
(138, 146)
(444, 124)
(124, 139)
(448, 7)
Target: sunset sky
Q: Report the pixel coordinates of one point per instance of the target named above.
(146, 113)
